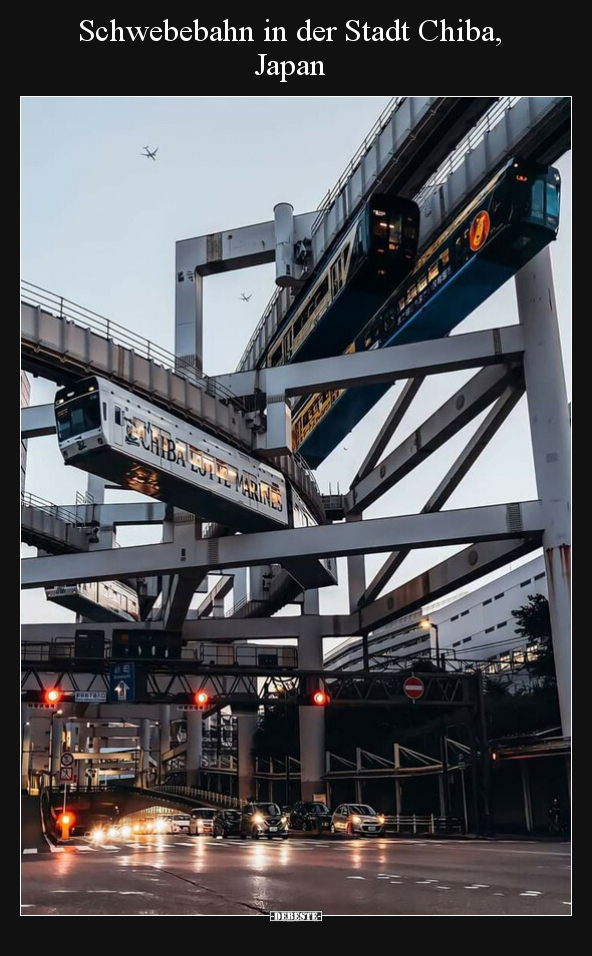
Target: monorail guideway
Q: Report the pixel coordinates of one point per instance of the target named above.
(110, 432)
(511, 219)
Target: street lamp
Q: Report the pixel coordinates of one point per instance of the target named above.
(428, 625)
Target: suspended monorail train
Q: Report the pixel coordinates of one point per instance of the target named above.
(510, 220)
(100, 601)
(110, 432)
(354, 280)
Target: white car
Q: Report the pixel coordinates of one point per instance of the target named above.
(202, 821)
(180, 823)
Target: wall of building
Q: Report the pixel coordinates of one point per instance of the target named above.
(474, 626)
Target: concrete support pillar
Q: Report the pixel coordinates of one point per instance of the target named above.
(356, 585)
(144, 761)
(247, 725)
(311, 601)
(55, 745)
(164, 717)
(189, 321)
(194, 746)
(549, 426)
(25, 746)
(311, 718)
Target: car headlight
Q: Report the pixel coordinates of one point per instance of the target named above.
(356, 819)
(112, 831)
(98, 836)
(258, 818)
(380, 818)
(159, 826)
(136, 828)
(126, 830)
(284, 819)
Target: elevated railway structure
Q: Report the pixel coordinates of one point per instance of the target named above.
(438, 152)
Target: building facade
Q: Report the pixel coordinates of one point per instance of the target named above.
(474, 626)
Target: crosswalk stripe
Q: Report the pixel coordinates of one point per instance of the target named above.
(34, 850)
(86, 849)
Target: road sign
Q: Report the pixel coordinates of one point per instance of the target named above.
(66, 774)
(123, 682)
(67, 759)
(413, 688)
(90, 696)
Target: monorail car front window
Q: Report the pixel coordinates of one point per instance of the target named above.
(552, 201)
(78, 416)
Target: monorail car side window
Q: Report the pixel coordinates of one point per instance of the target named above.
(117, 415)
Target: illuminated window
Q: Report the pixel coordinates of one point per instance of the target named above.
(433, 271)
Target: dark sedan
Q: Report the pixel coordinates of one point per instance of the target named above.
(226, 823)
(310, 816)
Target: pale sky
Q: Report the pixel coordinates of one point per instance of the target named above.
(99, 225)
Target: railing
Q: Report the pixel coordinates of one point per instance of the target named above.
(207, 796)
(493, 116)
(393, 104)
(429, 823)
(55, 511)
(67, 309)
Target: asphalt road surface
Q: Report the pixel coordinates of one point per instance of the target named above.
(199, 876)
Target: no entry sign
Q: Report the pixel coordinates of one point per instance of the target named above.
(413, 688)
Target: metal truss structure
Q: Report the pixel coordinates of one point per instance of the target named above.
(508, 362)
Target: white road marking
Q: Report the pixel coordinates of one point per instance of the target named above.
(186, 844)
(57, 849)
(531, 893)
(86, 849)
(424, 882)
(133, 893)
(34, 850)
(499, 894)
(397, 882)
(109, 847)
(26, 906)
(356, 877)
(62, 891)
(101, 891)
(481, 886)
(565, 904)
(442, 887)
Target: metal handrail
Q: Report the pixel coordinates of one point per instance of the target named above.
(393, 104)
(67, 309)
(56, 511)
(490, 119)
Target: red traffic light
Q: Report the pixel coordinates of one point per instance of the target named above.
(53, 696)
(201, 698)
(320, 698)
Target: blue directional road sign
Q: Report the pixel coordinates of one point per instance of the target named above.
(123, 682)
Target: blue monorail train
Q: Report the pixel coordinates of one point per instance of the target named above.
(510, 220)
(354, 280)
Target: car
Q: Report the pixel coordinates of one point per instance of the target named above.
(226, 823)
(201, 820)
(310, 816)
(180, 823)
(357, 819)
(263, 819)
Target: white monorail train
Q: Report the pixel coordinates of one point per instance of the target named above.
(99, 601)
(110, 432)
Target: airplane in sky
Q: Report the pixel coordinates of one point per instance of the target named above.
(244, 298)
(148, 154)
